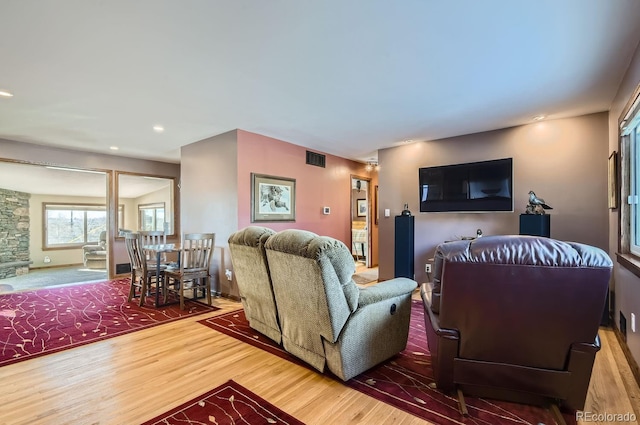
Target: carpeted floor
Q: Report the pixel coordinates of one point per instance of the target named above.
(44, 278)
(229, 403)
(35, 323)
(404, 381)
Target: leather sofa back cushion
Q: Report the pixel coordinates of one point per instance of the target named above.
(514, 250)
(524, 250)
(494, 290)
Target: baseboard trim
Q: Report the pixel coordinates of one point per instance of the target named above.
(633, 365)
(58, 266)
(231, 297)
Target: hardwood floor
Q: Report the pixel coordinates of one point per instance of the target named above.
(131, 378)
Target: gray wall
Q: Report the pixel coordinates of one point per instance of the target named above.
(626, 285)
(209, 193)
(564, 161)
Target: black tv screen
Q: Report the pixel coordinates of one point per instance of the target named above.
(471, 187)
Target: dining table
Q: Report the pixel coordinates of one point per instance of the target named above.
(158, 250)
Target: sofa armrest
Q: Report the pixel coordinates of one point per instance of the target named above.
(443, 343)
(580, 363)
(385, 290)
(451, 334)
(426, 292)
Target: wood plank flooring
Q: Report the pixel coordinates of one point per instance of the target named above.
(134, 377)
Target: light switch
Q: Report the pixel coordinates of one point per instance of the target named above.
(387, 212)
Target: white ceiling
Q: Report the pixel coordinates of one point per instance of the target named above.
(40, 180)
(346, 77)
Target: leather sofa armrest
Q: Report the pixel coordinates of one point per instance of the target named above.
(443, 343)
(583, 347)
(580, 363)
(426, 292)
(385, 290)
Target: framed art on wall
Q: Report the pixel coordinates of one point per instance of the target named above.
(272, 198)
(362, 208)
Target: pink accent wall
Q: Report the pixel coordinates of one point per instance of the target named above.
(316, 187)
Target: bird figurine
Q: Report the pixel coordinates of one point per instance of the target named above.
(536, 205)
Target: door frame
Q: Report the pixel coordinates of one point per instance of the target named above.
(369, 221)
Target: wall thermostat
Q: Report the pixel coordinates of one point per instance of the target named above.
(326, 210)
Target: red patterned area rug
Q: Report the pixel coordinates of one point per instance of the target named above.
(230, 403)
(46, 321)
(403, 381)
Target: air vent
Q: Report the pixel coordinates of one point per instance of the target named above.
(123, 268)
(316, 159)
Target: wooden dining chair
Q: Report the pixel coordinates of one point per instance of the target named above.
(153, 237)
(142, 276)
(195, 259)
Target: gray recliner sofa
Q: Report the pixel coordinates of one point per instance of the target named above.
(94, 256)
(325, 318)
(252, 275)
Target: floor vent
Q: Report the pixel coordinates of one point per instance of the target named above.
(123, 268)
(316, 159)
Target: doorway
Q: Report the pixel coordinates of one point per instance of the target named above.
(361, 210)
(59, 215)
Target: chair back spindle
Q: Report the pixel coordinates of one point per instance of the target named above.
(196, 251)
(140, 274)
(134, 250)
(153, 237)
(195, 258)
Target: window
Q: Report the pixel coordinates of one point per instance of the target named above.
(634, 186)
(630, 161)
(72, 226)
(151, 216)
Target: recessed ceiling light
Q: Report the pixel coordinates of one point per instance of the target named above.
(539, 117)
(5, 93)
(158, 128)
(114, 148)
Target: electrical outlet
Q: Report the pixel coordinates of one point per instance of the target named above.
(633, 322)
(229, 274)
(427, 268)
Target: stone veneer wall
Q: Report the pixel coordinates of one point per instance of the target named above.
(14, 233)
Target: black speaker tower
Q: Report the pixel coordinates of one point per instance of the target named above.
(535, 225)
(404, 246)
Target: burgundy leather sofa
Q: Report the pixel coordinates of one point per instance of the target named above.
(516, 317)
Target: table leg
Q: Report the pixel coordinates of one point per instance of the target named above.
(158, 279)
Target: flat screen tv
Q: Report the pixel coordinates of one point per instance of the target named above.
(472, 187)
